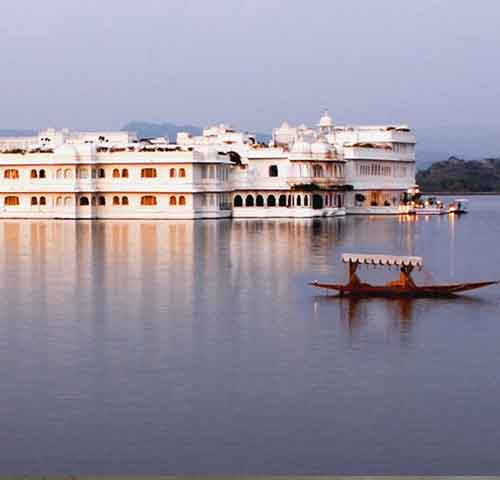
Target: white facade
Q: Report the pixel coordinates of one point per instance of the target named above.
(304, 172)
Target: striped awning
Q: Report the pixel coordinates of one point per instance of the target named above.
(384, 260)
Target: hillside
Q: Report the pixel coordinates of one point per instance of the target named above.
(6, 132)
(147, 130)
(460, 176)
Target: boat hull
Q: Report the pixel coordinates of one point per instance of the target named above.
(430, 211)
(366, 290)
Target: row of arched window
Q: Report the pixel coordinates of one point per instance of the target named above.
(13, 173)
(13, 201)
(146, 201)
(124, 173)
(283, 201)
(330, 200)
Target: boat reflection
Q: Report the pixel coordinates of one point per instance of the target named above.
(384, 317)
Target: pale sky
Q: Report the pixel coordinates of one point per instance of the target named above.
(101, 63)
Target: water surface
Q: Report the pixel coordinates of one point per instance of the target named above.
(196, 347)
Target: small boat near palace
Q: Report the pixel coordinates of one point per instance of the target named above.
(431, 206)
(460, 205)
(402, 287)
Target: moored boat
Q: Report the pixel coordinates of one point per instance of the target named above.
(403, 287)
(430, 206)
(460, 205)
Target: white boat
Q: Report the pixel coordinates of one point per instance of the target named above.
(459, 205)
(431, 206)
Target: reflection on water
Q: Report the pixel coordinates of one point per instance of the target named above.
(388, 317)
(197, 347)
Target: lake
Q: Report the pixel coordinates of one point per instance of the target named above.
(197, 347)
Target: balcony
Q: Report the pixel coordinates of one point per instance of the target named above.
(323, 183)
(363, 153)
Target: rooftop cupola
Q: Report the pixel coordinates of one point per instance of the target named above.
(325, 123)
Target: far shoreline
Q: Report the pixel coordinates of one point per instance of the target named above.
(463, 194)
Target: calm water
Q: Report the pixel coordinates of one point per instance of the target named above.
(188, 347)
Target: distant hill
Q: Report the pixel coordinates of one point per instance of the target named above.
(17, 133)
(147, 130)
(460, 176)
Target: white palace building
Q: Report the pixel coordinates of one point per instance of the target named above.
(329, 170)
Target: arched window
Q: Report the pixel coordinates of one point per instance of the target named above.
(238, 201)
(11, 174)
(148, 173)
(124, 172)
(172, 172)
(67, 202)
(182, 172)
(124, 200)
(173, 200)
(33, 174)
(84, 201)
(282, 201)
(273, 171)
(259, 202)
(271, 201)
(306, 200)
(84, 173)
(101, 173)
(34, 201)
(59, 173)
(116, 173)
(43, 201)
(102, 201)
(11, 201)
(41, 174)
(182, 200)
(68, 173)
(94, 173)
(59, 201)
(249, 201)
(298, 201)
(116, 200)
(148, 200)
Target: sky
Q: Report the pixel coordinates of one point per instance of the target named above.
(95, 64)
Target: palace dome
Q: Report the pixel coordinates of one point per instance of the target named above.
(300, 146)
(326, 120)
(320, 147)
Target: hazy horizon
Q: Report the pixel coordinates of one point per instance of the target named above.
(251, 64)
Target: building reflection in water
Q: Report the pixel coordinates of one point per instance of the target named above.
(103, 282)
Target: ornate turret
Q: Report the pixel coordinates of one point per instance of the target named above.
(326, 125)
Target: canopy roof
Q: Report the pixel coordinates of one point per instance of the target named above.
(385, 260)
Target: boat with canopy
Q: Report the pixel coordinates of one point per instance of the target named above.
(404, 286)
